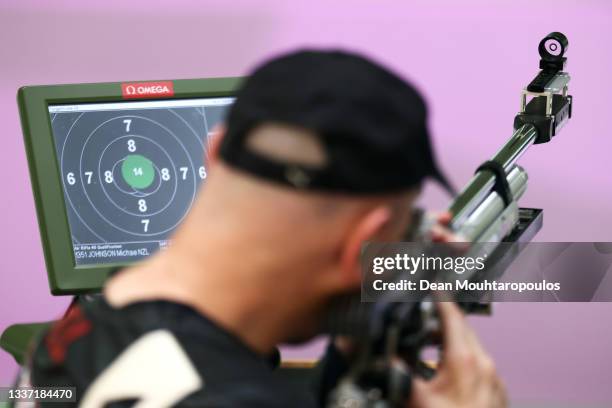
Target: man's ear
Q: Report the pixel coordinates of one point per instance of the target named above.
(214, 145)
(368, 229)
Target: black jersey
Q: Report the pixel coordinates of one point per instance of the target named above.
(158, 351)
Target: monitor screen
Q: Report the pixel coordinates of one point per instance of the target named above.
(130, 171)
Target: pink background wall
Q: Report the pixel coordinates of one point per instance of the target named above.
(546, 352)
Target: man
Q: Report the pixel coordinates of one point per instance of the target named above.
(323, 151)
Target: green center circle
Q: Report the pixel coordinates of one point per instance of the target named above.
(138, 171)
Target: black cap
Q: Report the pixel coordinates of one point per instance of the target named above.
(371, 124)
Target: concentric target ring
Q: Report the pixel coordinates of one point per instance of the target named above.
(134, 192)
(193, 178)
(63, 182)
(116, 162)
(173, 165)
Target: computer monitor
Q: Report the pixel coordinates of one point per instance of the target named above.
(115, 167)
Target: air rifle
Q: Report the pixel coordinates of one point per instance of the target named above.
(391, 335)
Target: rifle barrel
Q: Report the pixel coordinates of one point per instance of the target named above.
(483, 182)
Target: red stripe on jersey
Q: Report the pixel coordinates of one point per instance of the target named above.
(63, 333)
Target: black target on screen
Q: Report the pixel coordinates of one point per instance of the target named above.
(131, 172)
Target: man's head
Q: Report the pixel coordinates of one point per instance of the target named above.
(322, 151)
(370, 124)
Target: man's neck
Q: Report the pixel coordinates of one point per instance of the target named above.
(233, 291)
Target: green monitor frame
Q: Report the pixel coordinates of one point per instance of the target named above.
(64, 276)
